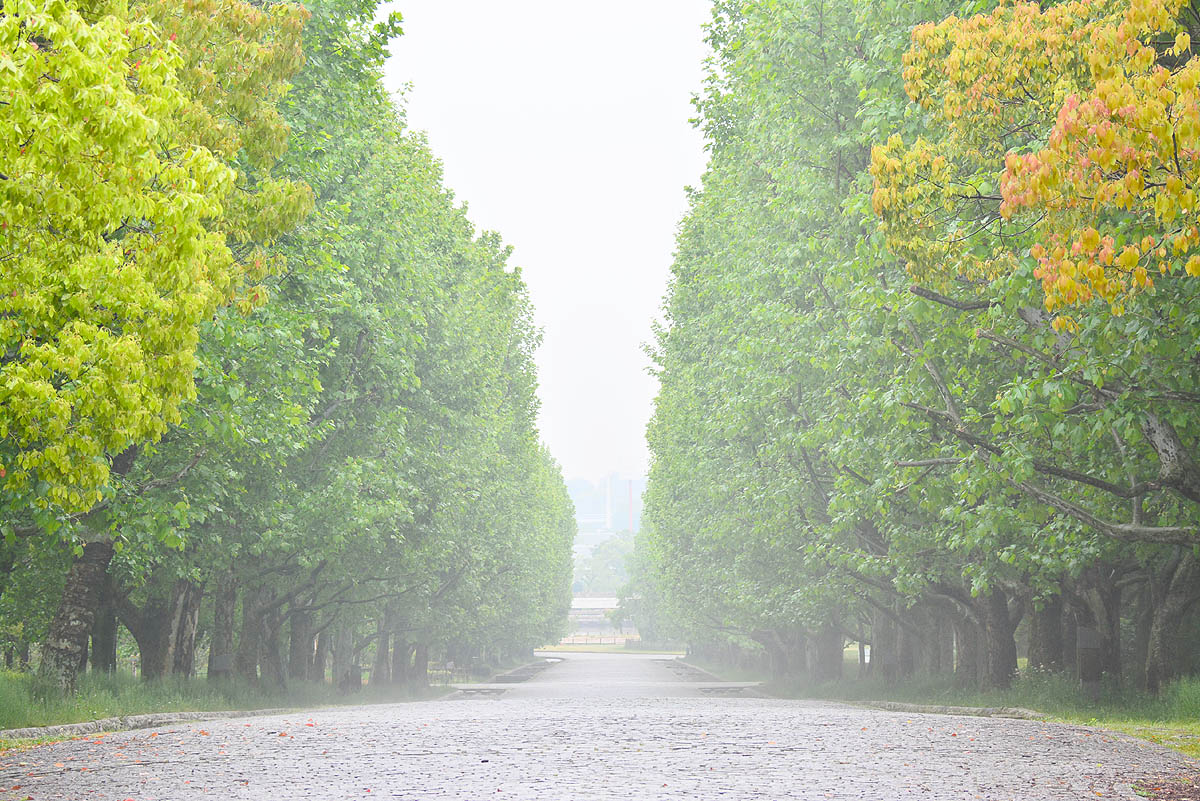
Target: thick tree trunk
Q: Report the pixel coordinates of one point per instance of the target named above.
(1069, 641)
(402, 653)
(271, 655)
(884, 651)
(104, 632)
(343, 654)
(381, 668)
(300, 646)
(828, 646)
(966, 654)
(220, 651)
(1046, 635)
(1102, 606)
(250, 638)
(418, 677)
(165, 628)
(186, 621)
(67, 639)
(320, 658)
(1000, 647)
(1176, 596)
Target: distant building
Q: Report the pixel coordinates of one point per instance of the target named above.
(614, 504)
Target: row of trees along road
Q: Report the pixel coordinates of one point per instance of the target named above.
(264, 391)
(930, 374)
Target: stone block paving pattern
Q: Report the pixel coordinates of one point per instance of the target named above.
(594, 727)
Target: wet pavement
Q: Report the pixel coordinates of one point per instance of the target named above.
(594, 726)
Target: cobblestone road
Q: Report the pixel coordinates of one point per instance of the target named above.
(593, 727)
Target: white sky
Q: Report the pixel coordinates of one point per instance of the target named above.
(564, 126)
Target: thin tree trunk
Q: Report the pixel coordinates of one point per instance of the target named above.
(381, 668)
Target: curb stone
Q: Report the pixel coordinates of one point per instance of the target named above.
(975, 711)
(128, 722)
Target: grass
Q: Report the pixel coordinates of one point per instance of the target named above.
(1171, 719)
(117, 695)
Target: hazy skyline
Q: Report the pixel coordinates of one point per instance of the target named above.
(567, 131)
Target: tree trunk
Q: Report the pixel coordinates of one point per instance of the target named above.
(104, 632)
(186, 621)
(165, 627)
(343, 653)
(402, 653)
(273, 672)
(1178, 594)
(966, 654)
(220, 651)
(1069, 641)
(67, 638)
(320, 658)
(381, 668)
(1102, 602)
(418, 677)
(250, 638)
(1000, 646)
(828, 646)
(300, 646)
(1046, 635)
(884, 653)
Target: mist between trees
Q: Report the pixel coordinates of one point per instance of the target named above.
(929, 374)
(265, 394)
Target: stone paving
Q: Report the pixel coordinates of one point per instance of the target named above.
(593, 727)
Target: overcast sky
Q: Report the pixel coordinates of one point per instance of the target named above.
(564, 126)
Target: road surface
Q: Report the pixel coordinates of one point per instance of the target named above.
(594, 726)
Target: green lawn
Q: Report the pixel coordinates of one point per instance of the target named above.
(1172, 719)
(104, 696)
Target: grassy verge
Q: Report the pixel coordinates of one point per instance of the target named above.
(103, 696)
(1171, 719)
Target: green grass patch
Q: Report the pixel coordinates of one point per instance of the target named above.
(117, 695)
(1171, 718)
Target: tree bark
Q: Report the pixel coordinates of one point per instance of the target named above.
(966, 654)
(381, 668)
(1177, 596)
(1000, 646)
(320, 658)
(187, 621)
(250, 637)
(104, 632)
(401, 661)
(300, 646)
(67, 638)
(1046, 635)
(828, 647)
(418, 677)
(220, 651)
(271, 654)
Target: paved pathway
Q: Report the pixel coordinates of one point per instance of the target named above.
(593, 727)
